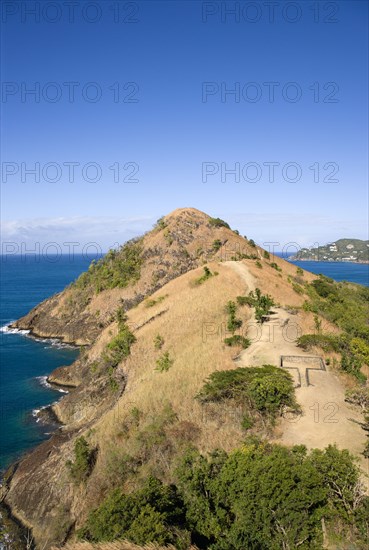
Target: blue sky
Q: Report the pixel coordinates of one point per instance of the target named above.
(156, 118)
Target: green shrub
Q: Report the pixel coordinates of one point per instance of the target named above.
(261, 302)
(261, 496)
(297, 288)
(164, 362)
(158, 341)
(267, 389)
(217, 222)
(266, 255)
(324, 287)
(360, 348)
(119, 347)
(245, 301)
(142, 517)
(120, 315)
(247, 422)
(266, 496)
(151, 302)
(161, 223)
(207, 274)
(238, 340)
(328, 342)
(275, 266)
(233, 323)
(252, 243)
(258, 264)
(217, 245)
(300, 271)
(352, 365)
(81, 467)
(118, 268)
(113, 384)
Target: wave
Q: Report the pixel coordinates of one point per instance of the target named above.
(11, 330)
(42, 380)
(36, 412)
(54, 342)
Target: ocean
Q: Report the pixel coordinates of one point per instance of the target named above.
(25, 362)
(339, 271)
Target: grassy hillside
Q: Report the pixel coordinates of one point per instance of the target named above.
(179, 242)
(167, 435)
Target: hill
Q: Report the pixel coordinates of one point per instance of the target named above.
(179, 393)
(343, 250)
(184, 240)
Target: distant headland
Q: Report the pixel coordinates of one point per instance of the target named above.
(343, 250)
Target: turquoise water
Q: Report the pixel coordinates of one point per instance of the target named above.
(24, 283)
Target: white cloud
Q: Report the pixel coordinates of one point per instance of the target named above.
(105, 232)
(20, 235)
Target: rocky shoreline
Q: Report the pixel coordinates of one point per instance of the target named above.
(14, 534)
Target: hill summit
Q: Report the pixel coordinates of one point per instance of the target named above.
(179, 242)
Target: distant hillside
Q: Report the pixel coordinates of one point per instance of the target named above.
(343, 250)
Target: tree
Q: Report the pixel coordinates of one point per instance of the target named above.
(81, 467)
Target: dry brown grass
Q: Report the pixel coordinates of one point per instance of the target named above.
(192, 233)
(193, 328)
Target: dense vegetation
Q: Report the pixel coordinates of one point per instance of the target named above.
(266, 389)
(218, 222)
(152, 514)
(347, 306)
(119, 347)
(80, 468)
(360, 396)
(117, 268)
(261, 496)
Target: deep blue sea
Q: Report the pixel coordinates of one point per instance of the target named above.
(339, 271)
(25, 281)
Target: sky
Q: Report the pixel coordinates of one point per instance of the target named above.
(115, 113)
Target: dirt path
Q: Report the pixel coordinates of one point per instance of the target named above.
(244, 273)
(326, 417)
